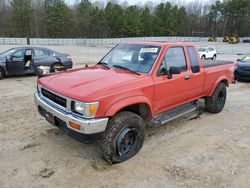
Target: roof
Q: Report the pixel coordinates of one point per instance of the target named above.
(160, 43)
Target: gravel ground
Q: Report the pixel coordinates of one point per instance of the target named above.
(193, 151)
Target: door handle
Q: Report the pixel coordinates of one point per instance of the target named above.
(187, 77)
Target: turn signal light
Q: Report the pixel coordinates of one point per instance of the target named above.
(74, 125)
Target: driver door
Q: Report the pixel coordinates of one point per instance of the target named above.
(15, 65)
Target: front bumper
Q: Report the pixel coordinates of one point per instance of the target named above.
(87, 126)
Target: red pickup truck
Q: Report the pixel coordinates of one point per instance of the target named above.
(134, 86)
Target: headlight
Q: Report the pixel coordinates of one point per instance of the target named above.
(88, 110)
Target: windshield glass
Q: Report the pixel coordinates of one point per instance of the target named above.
(135, 57)
(246, 59)
(201, 49)
(7, 53)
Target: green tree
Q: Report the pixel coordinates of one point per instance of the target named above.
(147, 22)
(132, 22)
(83, 18)
(58, 19)
(21, 13)
(115, 22)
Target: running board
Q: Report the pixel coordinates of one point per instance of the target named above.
(174, 113)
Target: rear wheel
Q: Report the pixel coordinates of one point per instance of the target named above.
(123, 138)
(214, 57)
(2, 73)
(56, 67)
(216, 102)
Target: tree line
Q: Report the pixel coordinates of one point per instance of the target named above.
(56, 19)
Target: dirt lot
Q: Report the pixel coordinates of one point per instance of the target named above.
(206, 151)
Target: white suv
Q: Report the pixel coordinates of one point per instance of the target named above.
(207, 53)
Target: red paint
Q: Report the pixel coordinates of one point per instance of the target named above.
(115, 89)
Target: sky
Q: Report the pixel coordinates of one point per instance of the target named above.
(142, 2)
(131, 2)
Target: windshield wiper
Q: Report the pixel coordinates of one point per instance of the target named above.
(125, 68)
(103, 64)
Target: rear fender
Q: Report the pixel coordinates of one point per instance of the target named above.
(118, 105)
(219, 80)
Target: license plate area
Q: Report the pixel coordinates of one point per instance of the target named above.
(50, 118)
(47, 115)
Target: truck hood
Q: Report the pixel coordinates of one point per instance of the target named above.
(88, 84)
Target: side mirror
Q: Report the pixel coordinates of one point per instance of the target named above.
(7, 58)
(163, 71)
(173, 70)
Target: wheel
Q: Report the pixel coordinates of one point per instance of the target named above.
(214, 57)
(2, 73)
(216, 102)
(203, 57)
(123, 138)
(56, 67)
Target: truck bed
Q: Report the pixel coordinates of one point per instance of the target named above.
(214, 63)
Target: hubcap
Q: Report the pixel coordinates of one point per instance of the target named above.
(126, 141)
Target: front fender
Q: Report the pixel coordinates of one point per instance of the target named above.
(122, 103)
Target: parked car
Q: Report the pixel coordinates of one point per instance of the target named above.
(207, 53)
(134, 86)
(243, 68)
(26, 60)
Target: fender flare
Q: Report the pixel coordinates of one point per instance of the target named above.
(125, 102)
(219, 80)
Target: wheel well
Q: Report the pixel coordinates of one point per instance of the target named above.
(55, 64)
(224, 82)
(141, 109)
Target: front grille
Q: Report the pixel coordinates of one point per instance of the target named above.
(55, 98)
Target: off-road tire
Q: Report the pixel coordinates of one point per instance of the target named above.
(216, 102)
(108, 143)
(2, 73)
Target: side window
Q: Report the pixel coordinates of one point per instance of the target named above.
(193, 59)
(175, 57)
(40, 53)
(18, 54)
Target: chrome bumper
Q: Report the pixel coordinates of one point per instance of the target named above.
(88, 126)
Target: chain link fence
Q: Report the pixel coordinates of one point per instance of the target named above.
(94, 42)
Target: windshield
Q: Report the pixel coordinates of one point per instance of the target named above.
(7, 53)
(246, 59)
(135, 57)
(201, 49)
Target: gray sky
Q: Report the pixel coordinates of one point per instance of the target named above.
(132, 2)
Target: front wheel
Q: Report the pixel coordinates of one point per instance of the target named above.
(214, 57)
(2, 74)
(216, 102)
(203, 57)
(123, 138)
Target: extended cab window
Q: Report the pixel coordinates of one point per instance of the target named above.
(193, 59)
(175, 57)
